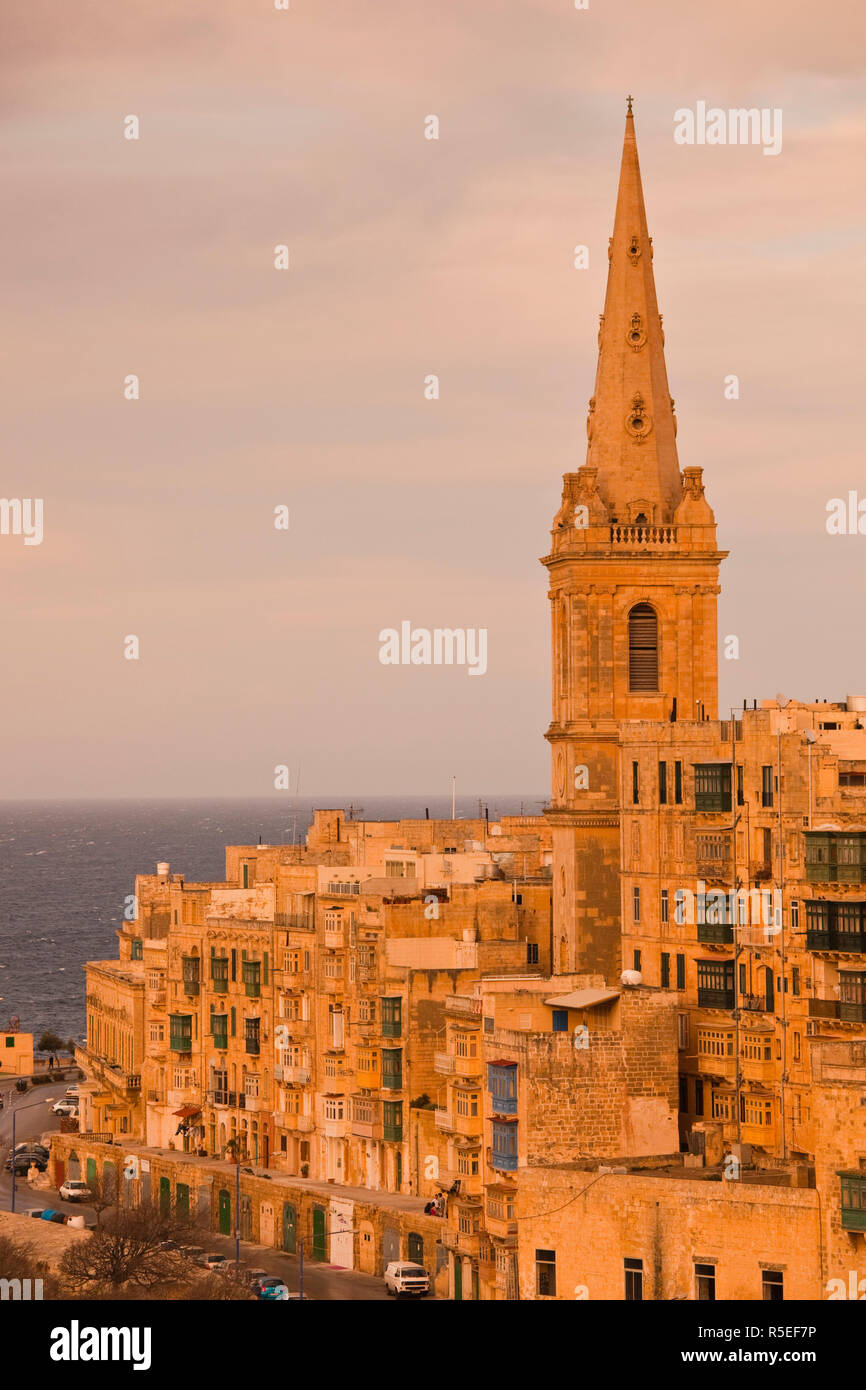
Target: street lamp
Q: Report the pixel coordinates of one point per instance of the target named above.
(15, 1109)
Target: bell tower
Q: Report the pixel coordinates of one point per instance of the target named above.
(634, 571)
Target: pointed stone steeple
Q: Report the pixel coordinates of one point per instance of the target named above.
(631, 423)
(634, 579)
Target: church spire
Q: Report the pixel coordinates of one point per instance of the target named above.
(631, 424)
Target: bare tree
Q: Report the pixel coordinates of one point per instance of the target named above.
(19, 1261)
(133, 1248)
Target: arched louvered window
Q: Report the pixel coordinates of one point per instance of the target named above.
(643, 648)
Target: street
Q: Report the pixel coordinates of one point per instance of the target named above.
(35, 1118)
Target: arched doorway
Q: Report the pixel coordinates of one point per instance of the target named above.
(266, 1224)
(290, 1228)
(318, 1233)
(225, 1213)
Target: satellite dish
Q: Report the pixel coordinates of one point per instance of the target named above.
(782, 701)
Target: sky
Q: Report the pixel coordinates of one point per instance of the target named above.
(305, 388)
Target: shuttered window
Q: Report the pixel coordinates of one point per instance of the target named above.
(643, 648)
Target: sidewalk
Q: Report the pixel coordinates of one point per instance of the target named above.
(396, 1201)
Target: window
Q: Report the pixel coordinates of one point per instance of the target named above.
(742, 974)
(682, 1031)
(678, 783)
(741, 796)
(767, 785)
(251, 1036)
(772, 1286)
(795, 980)
(699, 1097)
(633, 1281)
(715, 848)
(392, 1114)
(664, 906)
(504, 1155)
(392, 1016)
(636, 960)
(853, 1199)
(681, 972)
(635, 783)
(219, 1027)
(643, 656)
(467, 1162)
(715, 1042)
(715, 984)
(636, 904)
(684, 1094)
(795, 915)
(466, 1045)
(663, 784)
(392, 1068)
(560, 1020)
(666, 970)
(712, 787)
(545, 1273)
(136, 948)
(705, 1283)
(467, 1104)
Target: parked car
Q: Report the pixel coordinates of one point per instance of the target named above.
(65, 1107)
(256, 1276)
(192, 1252)
(273, 1289)
(22, 1162)
(72, 1093)
(30, 1147)
(402, 1278)
(220, 1262)
(73, 1190)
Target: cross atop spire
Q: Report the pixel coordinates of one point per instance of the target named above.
(631, 424)
(629, 100)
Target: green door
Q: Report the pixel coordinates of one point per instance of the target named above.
(290, 1228)
(318, 1233)
(225, 1213)
(182, 1199)
(91, 1172)
(165, 1196)
(458, 1280)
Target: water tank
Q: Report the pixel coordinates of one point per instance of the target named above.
(162, 869)
(630, 977)
(855, 704)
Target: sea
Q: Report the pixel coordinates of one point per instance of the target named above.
(67, 866)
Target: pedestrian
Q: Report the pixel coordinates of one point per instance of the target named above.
(51, 1062)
